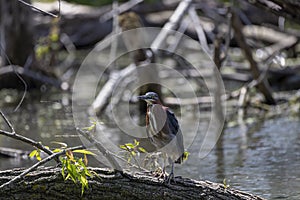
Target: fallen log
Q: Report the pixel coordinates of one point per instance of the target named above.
(47, 182)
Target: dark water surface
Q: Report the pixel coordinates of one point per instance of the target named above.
(262, 158)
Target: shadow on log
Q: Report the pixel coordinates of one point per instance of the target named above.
(47, 182)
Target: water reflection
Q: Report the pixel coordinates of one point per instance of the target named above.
(262, 159)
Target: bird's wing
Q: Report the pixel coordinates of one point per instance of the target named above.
(174, 126)
(173, 123)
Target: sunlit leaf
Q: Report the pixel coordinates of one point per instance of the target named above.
(123, 147)
(38, 156)
(129, 145)
(83, 151)
(57, 150)
(62, 144)
(33, 153)
(90, 128)
(141, 149)
(85, 159)
(136, 143)
(83, 180)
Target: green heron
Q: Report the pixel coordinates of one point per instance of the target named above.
(163, 131)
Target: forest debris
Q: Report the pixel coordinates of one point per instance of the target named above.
(263, 86)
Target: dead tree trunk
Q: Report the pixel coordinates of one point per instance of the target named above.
(48, 183)
(262, 85)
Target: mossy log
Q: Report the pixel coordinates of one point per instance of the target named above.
(47, 183)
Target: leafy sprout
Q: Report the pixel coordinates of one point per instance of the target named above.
(74, 168)
(132, 149)
(225, 184)
(37, 154)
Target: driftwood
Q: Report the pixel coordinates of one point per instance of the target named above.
(103, 97)
(47, 183)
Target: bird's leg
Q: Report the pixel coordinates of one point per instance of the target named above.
(164, 169)
(171, 175)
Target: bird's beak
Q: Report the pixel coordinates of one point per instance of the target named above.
(143, 97)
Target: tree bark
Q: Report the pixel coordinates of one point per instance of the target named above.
(47, 183)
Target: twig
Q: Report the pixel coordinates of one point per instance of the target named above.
(116, 30)
(171, 25)
(122, 8)
(16, 136)
(228, 36)
(18, 75)
(220, 54)
(7, 122)
(40, 10)
(134, 158)
(198, 27)
(179, 34)
(100, 147)
(104, 95)
(45, 160)
(281, 40)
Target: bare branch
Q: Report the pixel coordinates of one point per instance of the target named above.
(263, 86)
(16, 136)
(40, 10)
(7, 122)
(111, 156)
(100, 147)
(200, 32)
(122, 8)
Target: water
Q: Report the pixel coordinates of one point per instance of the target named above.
(264, 162)
(262, 158)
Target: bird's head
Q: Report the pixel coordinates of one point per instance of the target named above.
(150, 98)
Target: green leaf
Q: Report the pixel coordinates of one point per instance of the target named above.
(57, 150)
(136, 142)
(123, 147)
(33, 153)
(68, 176)
(90, 128)
(83, 151)
(38, 156)
(83, 180)
(141, 149)
(129, 145)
